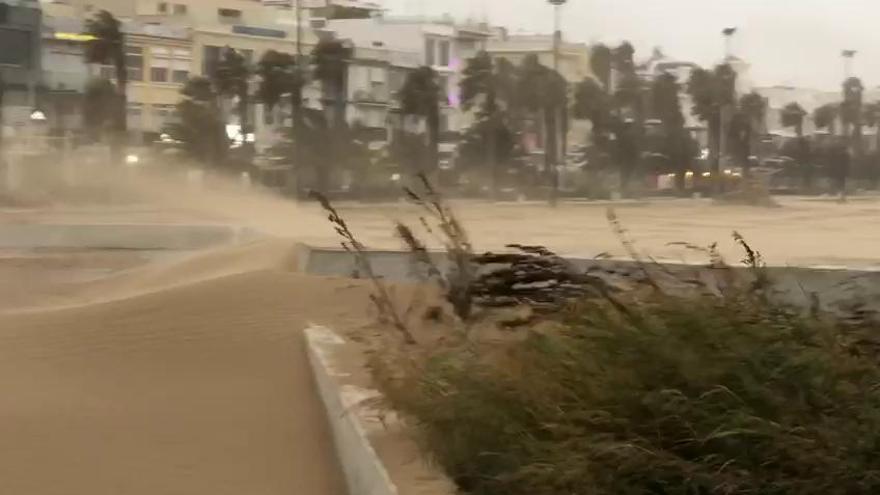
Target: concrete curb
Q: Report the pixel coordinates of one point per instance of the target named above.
(365, 474)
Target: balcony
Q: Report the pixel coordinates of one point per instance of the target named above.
(375, 96)
(73, 81)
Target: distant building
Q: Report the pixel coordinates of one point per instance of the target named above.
(574, 58)
(20, 61)
(442, 44)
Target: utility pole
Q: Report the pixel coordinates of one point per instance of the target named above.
(558, 112)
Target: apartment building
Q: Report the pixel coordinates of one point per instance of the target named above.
(20, 61)
(573, 61)
(439, 43)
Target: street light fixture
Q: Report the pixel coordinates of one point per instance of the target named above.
(848, 56)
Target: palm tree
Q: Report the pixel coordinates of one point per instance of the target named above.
(851, 113)
(753, 111)
(666, 107)
(99, 106)
(280, 75)
(601, 62)
(421, 95)
(232, 80)
(871, 117)
(2, 91)
(201, 125)
(107, 46)
(330, 59)
(542, 89)
(793, 116)
(825, 117)
(491, 85)
(711, 92)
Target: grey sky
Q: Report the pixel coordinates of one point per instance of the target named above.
(795, 42)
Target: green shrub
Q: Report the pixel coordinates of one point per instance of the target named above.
(657, 394)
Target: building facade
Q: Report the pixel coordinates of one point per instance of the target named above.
(20, 61)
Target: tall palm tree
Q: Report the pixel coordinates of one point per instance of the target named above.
(280, 75)
(490, 85)
(232, 80)
(99, 107)
(421, 95)
(711, 93)
(2, 91)
(851, 113)
(753, 108)
(676, 142)
(871, 118)
(825, 117)
(793, 116)
(542, 90)
(600, 62)
(107, 46)
(330, 59)
(201, 126)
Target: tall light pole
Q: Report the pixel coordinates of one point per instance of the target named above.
(848, 56)
(558, 112)
(723, 115)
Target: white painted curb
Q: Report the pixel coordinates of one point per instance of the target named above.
(365, 474)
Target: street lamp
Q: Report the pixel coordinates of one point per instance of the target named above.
(728, 41)
(557, 39)
(848, 56)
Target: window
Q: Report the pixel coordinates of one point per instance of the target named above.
(162, 115)
(444, 122)
(159, 74)
(160, 64)
(162, 7)
(134, 114)
(16, 45)
(229, 14)
(107, 72)
(430, 49)
(134, 62)
(444, 53)
(181, 59)
(170, 64)
(180, 9)
(210, 59)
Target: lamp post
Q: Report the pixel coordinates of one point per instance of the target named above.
(848, 56)
(723, 115)
(558, 112)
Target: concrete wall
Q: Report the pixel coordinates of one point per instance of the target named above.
(26, 236)
(833, 285)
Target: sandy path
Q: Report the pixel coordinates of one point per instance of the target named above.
(198, 389)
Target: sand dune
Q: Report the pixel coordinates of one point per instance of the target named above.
(196, 385)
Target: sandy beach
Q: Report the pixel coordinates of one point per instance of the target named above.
(126, 371)
(188, 377)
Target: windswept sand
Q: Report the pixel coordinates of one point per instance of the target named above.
(188, 377)
(124, 374)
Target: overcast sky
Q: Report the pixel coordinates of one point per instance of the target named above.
(795, 42)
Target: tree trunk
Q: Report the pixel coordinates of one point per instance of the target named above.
(244, 118)
(551, 141)
(118, 144)
(715, 155)
(296, 119)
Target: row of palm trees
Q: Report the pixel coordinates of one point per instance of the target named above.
(505, 100)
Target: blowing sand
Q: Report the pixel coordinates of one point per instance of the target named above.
(186, 374)
(188, 377)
